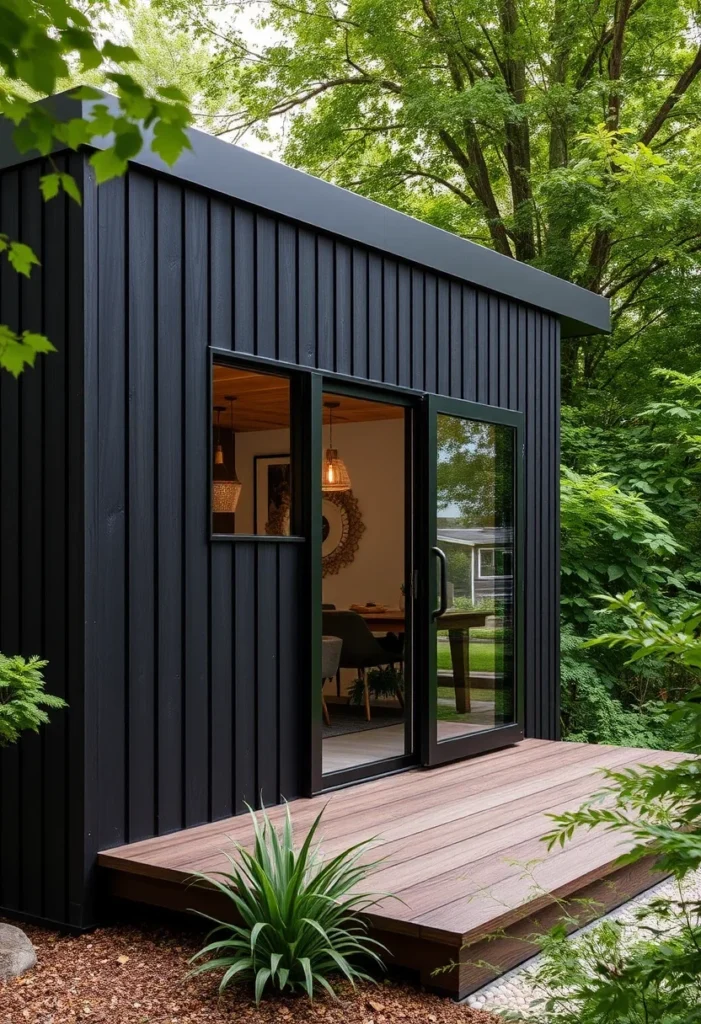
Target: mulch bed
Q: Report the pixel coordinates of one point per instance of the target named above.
(136, 975)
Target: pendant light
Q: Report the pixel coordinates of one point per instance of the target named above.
(226, 486)
(334, 475)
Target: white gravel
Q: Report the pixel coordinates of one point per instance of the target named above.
(515, 990)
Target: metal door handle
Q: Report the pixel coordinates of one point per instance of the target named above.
(440, 555)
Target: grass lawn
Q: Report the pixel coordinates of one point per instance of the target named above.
(447, 712)
(448, 693)
(481, 657)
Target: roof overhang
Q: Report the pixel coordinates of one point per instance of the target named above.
(259, 181)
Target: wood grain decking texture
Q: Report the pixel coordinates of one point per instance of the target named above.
(460, 848)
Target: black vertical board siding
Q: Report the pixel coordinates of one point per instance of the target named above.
(430, 333)
(221, 273)
(292, 758)
(504, 353)
(141, 525)
(286, 292)
(554, 512)
(306, 281)
(266, 286)
(531, 553)
(222, 681)
(482, 341)
(31, 539)
(543, 581)
(512, 356)
(375, 346)
(55, 613)
(10, 771)
(544, 555)
(169, 507)
(266, 642)
(221, 622)
(389, 321)
(521, 351)
(325, 303)
(493, 352)
(417, 329)
(469, 334)
(404, 340)
(244, 280)
(360, 313)
(545, 552)
(83, 718)
(456, 378)
(344, 298)
(443, 341)
(245, 680)
(196, 429)
(111, 505)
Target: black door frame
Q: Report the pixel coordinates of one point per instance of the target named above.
(433, 752)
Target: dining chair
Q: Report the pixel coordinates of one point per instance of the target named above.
(330, 656)
(361, 649)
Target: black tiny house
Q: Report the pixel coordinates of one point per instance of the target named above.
(164, 540)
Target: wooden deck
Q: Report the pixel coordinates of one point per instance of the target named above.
(462, 851)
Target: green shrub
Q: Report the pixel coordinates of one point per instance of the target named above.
(613, 974)
(22, 697)
(297, 916)
(590, 713)
(610, 976)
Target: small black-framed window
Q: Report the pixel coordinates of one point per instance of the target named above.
(495, 562)
(251, 449)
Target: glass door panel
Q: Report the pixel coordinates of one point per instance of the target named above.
(474, 573)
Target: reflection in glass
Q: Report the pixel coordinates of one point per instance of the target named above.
(475, 516)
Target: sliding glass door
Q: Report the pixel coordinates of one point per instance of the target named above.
(471, 697)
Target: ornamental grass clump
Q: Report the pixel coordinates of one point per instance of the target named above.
(297, 915)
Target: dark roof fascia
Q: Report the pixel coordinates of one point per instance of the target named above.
(232, 171)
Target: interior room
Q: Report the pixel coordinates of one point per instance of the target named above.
(365, 663)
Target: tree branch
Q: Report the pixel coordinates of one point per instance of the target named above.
(685, 80)
(600, 45)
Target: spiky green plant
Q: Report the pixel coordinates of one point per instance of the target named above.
(23, 697)
(297, 915)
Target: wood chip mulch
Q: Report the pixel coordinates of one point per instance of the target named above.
(134, 975)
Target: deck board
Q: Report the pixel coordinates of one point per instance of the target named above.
(460, 846)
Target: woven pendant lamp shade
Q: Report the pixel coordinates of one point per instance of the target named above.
(225, 495)
(334, 475)
(226, 486)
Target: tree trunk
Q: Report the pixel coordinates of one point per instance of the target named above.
(518, 145)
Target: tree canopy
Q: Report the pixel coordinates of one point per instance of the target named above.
(41, 44)
(564, 133)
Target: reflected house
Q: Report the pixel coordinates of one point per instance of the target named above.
(281, 510)
(491, 559)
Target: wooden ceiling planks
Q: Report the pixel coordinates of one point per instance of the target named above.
(263, 402)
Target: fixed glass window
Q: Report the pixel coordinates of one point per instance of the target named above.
(251, 467)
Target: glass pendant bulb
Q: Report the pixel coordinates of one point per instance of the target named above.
(334, 475)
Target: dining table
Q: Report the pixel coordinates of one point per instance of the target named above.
(457, 622)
